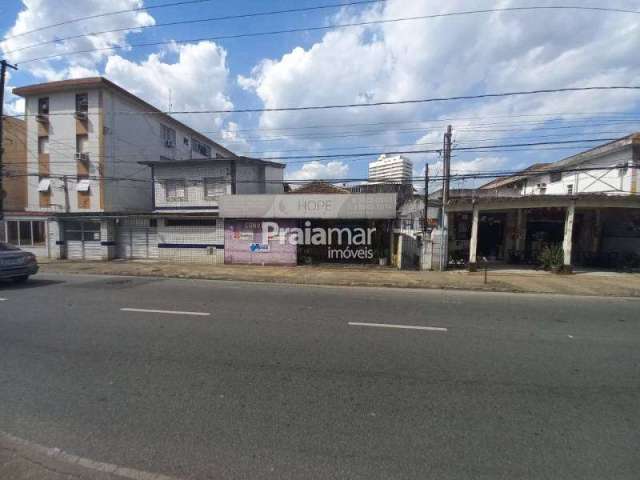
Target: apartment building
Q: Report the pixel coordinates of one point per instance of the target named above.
(396, 169)
(84, 139)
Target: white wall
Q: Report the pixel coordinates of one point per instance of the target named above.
(210, 240)
(135, 138)
(603, 179)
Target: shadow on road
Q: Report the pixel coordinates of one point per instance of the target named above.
(31, 283)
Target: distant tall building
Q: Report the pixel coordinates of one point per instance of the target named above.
(397, 169)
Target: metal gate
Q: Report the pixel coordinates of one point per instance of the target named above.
(137, 240)
(83, 240)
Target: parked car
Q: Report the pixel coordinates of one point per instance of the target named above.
(16, 264)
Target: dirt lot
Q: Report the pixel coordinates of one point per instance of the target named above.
(581, 283)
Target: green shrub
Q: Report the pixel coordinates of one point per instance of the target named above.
(551, 256)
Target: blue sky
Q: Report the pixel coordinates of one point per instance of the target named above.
(500, 51)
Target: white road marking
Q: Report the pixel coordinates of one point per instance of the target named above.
(169, 312)
(3, 299)
(406, 327)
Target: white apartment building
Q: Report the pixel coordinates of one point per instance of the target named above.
(397, 169)
(84, 139)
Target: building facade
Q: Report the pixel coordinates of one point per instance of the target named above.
(84, 139)
(587, 205)
(391, 169)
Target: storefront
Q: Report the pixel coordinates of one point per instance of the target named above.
(308, 228)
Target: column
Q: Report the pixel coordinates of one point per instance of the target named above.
(567, 244)
(473, 243)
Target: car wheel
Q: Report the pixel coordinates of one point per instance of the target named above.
(21, 279)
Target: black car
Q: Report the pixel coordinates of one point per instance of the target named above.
(16, 264)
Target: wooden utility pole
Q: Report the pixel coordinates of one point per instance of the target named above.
(3, 74)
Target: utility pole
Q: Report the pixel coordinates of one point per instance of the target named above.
(426, 198)
(3, 74)
(444, 221)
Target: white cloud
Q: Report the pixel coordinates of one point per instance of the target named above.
(197, 80)
(317, 171)
(40, 13)
(453, 56)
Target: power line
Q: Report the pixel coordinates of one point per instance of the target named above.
(335, 26)
(306, 158)
(369, 104)
(107, 14)
(199, 20)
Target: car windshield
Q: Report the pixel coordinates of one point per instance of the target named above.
(6, 247)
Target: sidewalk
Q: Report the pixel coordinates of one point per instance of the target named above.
(20, 459)
(525, 281)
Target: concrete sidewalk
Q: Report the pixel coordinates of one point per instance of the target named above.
(21, 459)
(524, 281)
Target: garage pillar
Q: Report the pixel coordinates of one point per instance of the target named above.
(473, 242)
(567, 244)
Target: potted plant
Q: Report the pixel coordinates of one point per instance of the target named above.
(552, 258)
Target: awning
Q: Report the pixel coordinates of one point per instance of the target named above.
(44, 185)
(83, 185)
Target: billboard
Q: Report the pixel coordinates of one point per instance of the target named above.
(300, 206)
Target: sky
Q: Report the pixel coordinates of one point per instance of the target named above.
(409, 59)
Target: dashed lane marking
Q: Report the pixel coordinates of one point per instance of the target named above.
(167, 312)
(405, 327)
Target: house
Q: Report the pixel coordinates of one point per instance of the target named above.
(186, 198)
(84, 139)
(587, 203)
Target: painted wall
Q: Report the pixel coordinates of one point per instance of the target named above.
(612, 181)
(194, 176)
(191, 244)
(239, 235)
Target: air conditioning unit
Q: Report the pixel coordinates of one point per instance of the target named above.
(42, 118)
(82, 157)
(169, 143)
(82, 115)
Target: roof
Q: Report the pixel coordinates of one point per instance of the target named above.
(319, 187)
(605, 148)
(101, 82)
(504, 181)
(201, 161)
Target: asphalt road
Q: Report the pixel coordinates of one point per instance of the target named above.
(276, 384)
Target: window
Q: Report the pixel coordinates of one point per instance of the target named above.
(555, 177)
(43, 145)
(168, 135)
(190, 222)
(26, 233)
(82, 231)
(44, 185)
(569, 189)
(542, 188)
(175, 190)
(83, 185)
(43, 106)
(185, 140)
(82, 142)
(214, 187)
(200, 148)
(82, 103)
